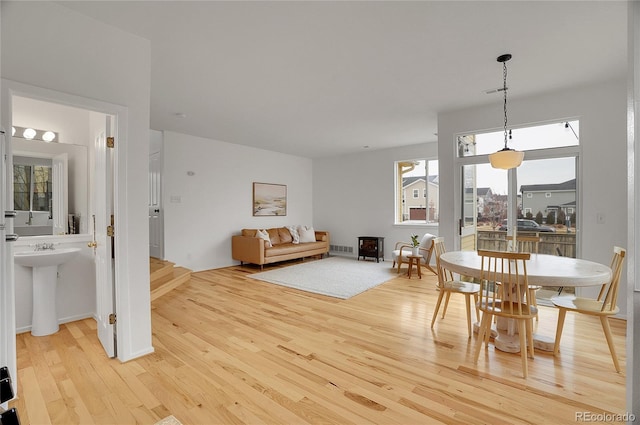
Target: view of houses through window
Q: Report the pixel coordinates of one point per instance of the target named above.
(417, 191)
(545, 199)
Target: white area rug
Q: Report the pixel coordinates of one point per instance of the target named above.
(334, 276)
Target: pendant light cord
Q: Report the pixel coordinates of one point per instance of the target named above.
(504, 89)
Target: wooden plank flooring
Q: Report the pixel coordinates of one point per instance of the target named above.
(234, 350)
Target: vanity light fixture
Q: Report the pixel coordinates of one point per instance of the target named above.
(29, 133)
(34, 134)
(49, 136)
(505, 158)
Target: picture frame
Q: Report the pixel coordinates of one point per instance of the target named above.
(269, 199)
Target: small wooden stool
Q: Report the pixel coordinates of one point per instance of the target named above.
(414, 260)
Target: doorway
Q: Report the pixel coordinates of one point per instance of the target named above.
(78, 227)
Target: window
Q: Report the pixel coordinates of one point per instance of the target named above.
(546, 187)
(413, 178)
(32, 184)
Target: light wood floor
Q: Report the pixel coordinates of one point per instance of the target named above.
(233, 350)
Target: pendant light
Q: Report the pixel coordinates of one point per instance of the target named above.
(505, 158)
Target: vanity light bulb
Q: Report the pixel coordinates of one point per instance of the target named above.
(13, 131)
(49, 136)
(29, 133)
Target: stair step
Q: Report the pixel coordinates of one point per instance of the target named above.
(159, 268)
(166, 283)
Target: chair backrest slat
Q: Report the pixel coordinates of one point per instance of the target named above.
(610, 289)
(439, 248)
(510, 270)
(528, 243)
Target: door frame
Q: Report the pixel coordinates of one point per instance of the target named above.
(8, 89)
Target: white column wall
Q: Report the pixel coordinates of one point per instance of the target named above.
(633, 129)
(203, 210)
(87, 58)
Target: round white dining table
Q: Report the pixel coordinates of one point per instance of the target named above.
(542, 269)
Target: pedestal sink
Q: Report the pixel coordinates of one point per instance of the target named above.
(45, 275)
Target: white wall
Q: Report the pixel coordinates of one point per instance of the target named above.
(86, 58)
(601, 109)
(354, 196)
(204, 210)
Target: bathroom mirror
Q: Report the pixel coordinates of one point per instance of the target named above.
(47, 139)
(50, 187)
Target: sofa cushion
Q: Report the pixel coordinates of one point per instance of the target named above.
(289, 248)
(307, 234)
(285, 235)
(274, 236)
(250, 233)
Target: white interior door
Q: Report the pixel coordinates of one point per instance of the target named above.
(155, 207)
(103, 242)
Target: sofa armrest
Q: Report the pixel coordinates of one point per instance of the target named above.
(322, 236)
(247, 249)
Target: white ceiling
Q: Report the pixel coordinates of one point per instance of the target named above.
(322, 78)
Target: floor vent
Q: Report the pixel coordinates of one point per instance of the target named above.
(341, 248)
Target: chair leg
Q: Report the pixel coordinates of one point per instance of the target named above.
(399, 264)
(435, 312)
(523, 346)
(475, 299)
(561, 315)
(486, 319)
(446, 304)
(607, 332)
(467, 299)
(529, 325)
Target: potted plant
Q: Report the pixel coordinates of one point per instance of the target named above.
(415, 244)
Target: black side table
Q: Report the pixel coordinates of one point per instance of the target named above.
(371, 246)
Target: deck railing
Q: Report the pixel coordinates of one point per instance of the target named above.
(550, 243)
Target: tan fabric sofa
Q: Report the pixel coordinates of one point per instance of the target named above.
(248, 248)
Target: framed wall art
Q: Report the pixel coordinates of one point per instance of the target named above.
(269, 199)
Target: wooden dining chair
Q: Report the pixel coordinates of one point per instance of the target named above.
(447, 285)
(602, 307)
(510, 269)
(530, 243)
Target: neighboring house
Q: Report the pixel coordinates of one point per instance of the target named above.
(415, 197)
(549, 198)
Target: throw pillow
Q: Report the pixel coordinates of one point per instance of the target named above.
(307, 234)
(426, 240)
(263, 234)
(294, 233)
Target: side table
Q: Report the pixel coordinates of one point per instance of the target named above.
(414, 260)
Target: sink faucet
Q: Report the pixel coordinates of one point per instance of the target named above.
(30, 218)
(44, 246)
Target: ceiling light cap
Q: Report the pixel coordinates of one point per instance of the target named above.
(504, 58)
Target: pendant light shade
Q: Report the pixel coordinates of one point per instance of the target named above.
(505, 158)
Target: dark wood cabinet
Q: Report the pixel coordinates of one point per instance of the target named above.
(371, 246)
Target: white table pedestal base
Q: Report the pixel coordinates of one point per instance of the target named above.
(503, 341)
